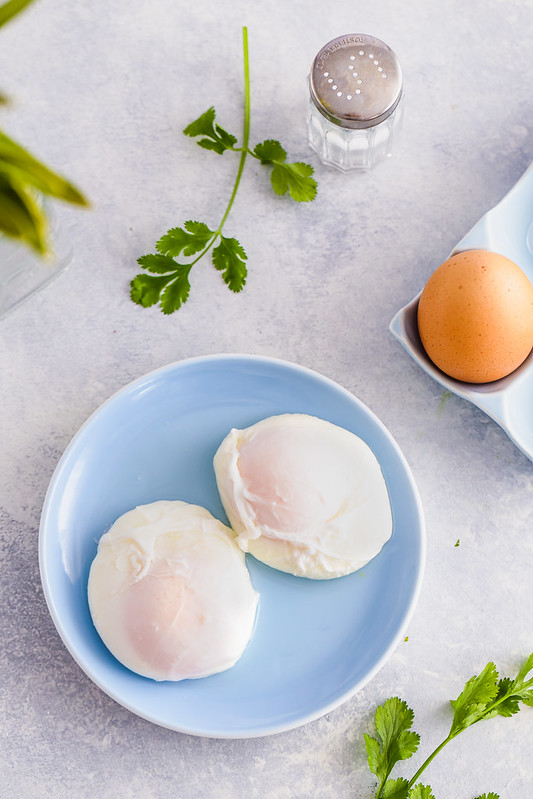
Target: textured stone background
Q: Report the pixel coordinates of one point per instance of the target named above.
(102, 92)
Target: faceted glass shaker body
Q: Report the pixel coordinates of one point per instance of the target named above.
(355, 102)
(349, 149)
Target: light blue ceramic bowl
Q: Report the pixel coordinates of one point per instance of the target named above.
(508, 230)
(315, 642)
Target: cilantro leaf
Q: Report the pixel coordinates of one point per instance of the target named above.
(470, 705)
(146, 289)
(189, 239)
(270, 151)
(483, 696)
(524, 670)
(229, 258)
(512, 692)
(486, 696)
(294, 178)
(204, 125)
(393, 722)
(373, 755)
(420, 791)
(215, 137)
(505, 704)
(167, 282)
(395, 789)
(226, 138)
(157, 263)
(521, 687)
(395, 741)
(176, 292)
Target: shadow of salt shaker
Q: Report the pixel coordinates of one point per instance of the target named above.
(355, 102)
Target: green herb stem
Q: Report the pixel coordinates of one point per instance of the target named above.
(428, 760)
(441, 746)
(246, 127)
(243, 151)
(489, 710)
(166, 280)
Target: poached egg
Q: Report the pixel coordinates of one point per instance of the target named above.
(170, 594)
(304, 496)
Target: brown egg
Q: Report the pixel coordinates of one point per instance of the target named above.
(475, 316)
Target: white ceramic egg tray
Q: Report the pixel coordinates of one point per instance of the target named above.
(507, 229)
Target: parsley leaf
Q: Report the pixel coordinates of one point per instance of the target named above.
(395, 789)
(522, 688)
(172, 285)
(168, 282)
(420, 791)
(293, 178)
(487, 696)
(176, 292)
(483, 697)
(216, 138)
(269, 152)
(508, 704)
(395, 741)
(189, 239)
(146, 289)
(229, 258)
(296, 179)
(157, 263)
(168, 279)
(471, 703)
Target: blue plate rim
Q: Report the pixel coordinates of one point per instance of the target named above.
(268, 730)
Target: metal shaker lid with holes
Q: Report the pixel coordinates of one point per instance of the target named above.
(356, 81)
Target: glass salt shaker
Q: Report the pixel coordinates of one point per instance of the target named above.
(355, 102)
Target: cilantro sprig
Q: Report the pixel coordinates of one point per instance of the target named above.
(165, 279)
(484, 696)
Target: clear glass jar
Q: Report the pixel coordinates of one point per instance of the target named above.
(355, 102)
(23, 271)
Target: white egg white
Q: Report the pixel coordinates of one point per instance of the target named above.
(304, 495)
(170, 594)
